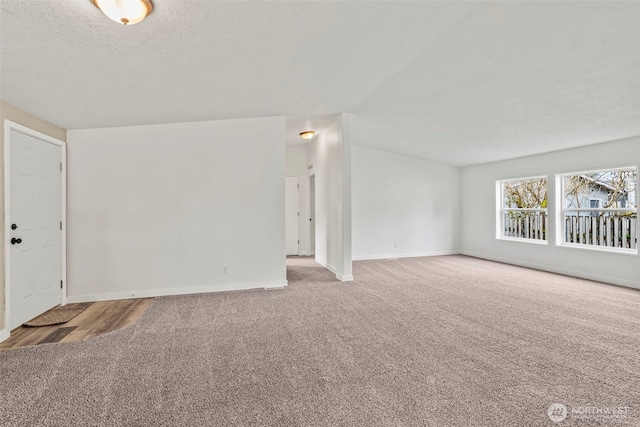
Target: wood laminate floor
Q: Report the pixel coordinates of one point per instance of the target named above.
(98, 318)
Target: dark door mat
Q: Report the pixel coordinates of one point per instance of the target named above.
(56, 316)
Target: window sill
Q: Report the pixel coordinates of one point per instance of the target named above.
(608, 249)
(524, 240)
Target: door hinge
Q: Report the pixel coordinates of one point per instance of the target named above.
(60, 284)
(298, 185)
(298, 213)
(60, 166)
(60, 225)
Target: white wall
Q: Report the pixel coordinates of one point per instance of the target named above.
(479, 213)
(296, 165)
(397, 199)
(330, 154)
(163, 209)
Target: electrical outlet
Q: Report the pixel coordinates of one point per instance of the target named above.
(225, 270)
(395, 245)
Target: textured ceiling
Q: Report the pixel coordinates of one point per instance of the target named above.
(456, 82)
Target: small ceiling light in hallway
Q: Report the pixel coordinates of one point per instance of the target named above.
(127, 12)
(307, 134)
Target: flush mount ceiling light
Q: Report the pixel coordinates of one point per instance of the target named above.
(307, 134)
(126, 12)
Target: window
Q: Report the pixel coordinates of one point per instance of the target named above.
(599, 209)
(523, 209)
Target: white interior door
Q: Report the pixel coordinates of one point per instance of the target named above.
(312, 215)
(35, 236)
(292, 213)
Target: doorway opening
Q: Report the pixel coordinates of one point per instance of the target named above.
(292, 216)
(303, 268)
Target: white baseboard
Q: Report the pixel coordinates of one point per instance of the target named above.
(334, 270)
(238, 286)
(551, 269)
(404, 255)
(4, 334)
(327, 266)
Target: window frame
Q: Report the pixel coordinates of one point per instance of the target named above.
(501, 210)
(561, 211)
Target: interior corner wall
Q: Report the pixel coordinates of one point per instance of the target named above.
(328, 155)
(345, 230)
(403, 206)
(296, 165)
(479, 213)
(16, 115)
(176, 208)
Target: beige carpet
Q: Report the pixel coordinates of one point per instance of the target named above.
(56, 316)
(443, 341)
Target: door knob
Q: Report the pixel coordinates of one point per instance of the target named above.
(14, 226)
(14, 241)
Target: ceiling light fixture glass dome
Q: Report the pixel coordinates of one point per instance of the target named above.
(307, 134)
(126, 12)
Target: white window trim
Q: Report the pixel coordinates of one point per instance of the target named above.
(500, 211)
(561, 212)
